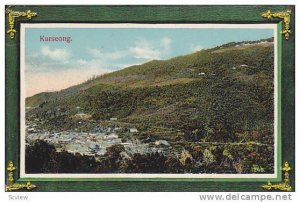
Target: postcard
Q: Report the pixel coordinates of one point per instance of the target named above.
(154, 101)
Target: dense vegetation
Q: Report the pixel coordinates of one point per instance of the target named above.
(219, 95)
(248, 158)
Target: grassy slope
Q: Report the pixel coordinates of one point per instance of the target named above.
(169, 98)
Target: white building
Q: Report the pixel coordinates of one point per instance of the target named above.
(133, 130)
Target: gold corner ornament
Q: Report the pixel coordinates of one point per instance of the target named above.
(11, 20)
(11, 184)
(283, 186)
(286, 16)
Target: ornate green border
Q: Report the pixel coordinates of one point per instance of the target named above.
(153, 14)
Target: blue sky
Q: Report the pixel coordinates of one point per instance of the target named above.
(101, 50)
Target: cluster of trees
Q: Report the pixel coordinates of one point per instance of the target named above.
(41, 157)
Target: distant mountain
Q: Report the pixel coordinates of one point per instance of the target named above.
(216, 94)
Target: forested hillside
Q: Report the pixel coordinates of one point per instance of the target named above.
(211, 97)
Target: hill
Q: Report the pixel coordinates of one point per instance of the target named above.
(220, 94)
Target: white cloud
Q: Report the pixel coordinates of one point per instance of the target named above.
(144, 52)
(197, 48)
(148, 50)
(81, 62)
(114, 55)
(55, 53)
(95, 52)
(166, 43)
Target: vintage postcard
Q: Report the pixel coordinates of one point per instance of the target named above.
(149, 100)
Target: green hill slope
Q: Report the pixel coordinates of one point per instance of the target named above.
(220, 94)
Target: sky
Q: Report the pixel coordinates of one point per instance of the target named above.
(51, 66)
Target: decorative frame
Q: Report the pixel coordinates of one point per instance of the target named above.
(286, 16)
(149, 14)
(12, 15)
(11, 184)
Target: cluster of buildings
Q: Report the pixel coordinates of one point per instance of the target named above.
(89, 144)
